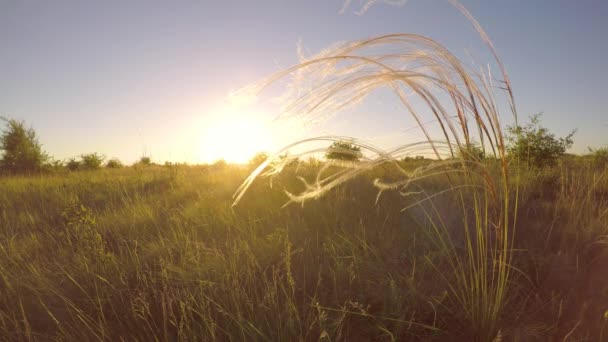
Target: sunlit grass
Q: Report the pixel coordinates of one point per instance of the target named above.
(177, 261)
(376, 249)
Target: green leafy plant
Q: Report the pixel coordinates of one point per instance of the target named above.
(536, 145)
(22, 153)
(144, 160)
(91, 161)
(80, 230)
(73, 164)
(472, 152)
(343, 150)
(114, 163)
(53, 165)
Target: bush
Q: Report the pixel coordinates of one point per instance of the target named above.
(344, 150)
(72, 164)
(535, 145)
(144, 161)
(114, 163)
(91, 161)
(22, 151)
(53, 165)
(472, 152)
(80, 231)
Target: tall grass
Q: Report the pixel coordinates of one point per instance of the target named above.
(416, 250)
(428, 80)
(158, 253)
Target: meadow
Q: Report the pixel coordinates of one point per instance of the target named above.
(159, 253)
(483, 230)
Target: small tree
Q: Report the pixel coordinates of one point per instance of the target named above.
(343, 150)
(472, 152)
(72, 164)
(52, 165)
(21, 150)
(144, 161)
(535, 145)
(114, 163)
(91, 161)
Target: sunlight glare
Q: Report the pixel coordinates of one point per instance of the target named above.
(236, 139)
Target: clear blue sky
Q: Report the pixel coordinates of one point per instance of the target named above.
(125, 78)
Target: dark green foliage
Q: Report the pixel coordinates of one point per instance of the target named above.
(73, 164)
(472, 152)
(22, 153)
(91, 161)
(343, 150)
(144, 161)
(80, 232)
(535, 145)
(114, 163)
(53, 165)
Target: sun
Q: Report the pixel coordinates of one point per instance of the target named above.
(236, 138)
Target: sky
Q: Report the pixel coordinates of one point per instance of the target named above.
(133, 78)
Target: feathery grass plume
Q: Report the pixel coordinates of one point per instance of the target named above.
(463, 108)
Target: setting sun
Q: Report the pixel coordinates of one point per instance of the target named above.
(236, 139)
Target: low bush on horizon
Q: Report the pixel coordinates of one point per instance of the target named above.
(114, 163)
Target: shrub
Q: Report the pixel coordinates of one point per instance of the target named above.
(344, 150)
(72, 164)
(53, 165)
(22, 151)
(80, 230)
(144, 161)
(114, 163)
(535, 145)
(91, 161)
(472, 152)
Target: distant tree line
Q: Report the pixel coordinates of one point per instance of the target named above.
(532, 144)
(21, 153)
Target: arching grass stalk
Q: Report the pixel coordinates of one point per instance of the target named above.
(431, 83)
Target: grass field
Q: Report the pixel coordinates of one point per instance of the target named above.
(159, 253)
(499, 236)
